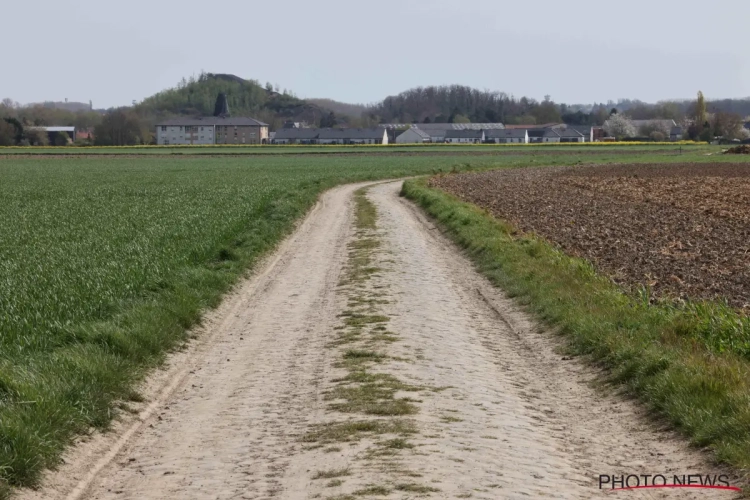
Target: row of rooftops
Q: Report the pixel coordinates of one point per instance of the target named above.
(375, 133)
(514, 133)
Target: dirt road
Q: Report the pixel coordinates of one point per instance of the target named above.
(368, 358)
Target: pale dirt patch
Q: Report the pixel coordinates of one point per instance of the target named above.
(513, 419)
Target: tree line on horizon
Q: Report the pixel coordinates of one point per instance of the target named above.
(196, 96)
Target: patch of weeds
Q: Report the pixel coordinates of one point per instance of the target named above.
(372, 394)
(447, 419)
(334, 483)
(330, 474)
(398, 444)
(361, 320)
(364, 355)
(415, 488)
(354, 430)
(332, 449)
(373, 490)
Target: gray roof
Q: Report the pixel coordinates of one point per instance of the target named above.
(505, 133)
(351, 133)
(543, 132)
(428, 127)
(419, 132)
(53, 129)
(569, 132)
(239, 121)
(583, 129)
(296, 133)
(663, 123)
(464, 134)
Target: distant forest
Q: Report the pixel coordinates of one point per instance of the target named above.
(196, 96)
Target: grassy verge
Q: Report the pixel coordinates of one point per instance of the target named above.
(664, 354)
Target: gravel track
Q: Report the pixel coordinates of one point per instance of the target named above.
(511, 418)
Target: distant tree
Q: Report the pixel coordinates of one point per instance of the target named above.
(577, 118)
(18, 127)
(547, 112)
(427, 120)
(329, 120)
(619, 126)
(37, 137)
(727, 125)
(269, 86)
(700, 109)
(461, 119)
(7, 134)
(612, 111)
(657, 136)
(61, 139)
(120, 127)
(655, 126)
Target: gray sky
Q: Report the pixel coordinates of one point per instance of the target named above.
(354, 51)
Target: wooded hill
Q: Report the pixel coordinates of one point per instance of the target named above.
(197, 96)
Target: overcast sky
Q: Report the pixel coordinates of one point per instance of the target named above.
(349, 50)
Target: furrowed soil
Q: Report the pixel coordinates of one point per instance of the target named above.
(683, 231)
(368, 359)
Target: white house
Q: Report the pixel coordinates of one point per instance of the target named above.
(505, 136)
(464, 136)
(413, 136)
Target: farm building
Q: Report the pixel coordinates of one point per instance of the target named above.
(296, 136)
(437, 131)
(211, 130)
(675, 134)
(464, 136)
(569, 135)
(586, 130)
(413, 136)
(376, 135)
(520, 136)
(537, 135)
(539, 126)
(54, 132)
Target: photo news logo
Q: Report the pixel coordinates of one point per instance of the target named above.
(616, 482)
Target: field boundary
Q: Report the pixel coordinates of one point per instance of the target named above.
(643, 348)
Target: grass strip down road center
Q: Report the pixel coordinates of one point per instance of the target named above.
(647, 348)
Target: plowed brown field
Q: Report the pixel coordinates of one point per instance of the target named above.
(682, 230)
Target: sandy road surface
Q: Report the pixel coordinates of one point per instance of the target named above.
(497, 413)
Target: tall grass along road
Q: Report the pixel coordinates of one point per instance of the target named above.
(368, 358)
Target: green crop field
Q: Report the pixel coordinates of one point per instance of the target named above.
(105, 262)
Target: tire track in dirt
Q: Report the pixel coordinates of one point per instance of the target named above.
(482, 405)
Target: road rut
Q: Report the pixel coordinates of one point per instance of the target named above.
(497, 412)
